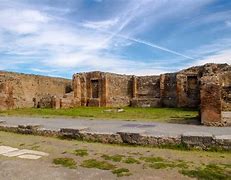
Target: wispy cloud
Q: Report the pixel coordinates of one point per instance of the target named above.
(101, 24)
(218, 57)
(155, 46)
(22, 21)
(228, 23)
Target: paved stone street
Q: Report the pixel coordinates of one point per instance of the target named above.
(110, 126)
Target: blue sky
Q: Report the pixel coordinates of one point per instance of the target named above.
(142, 37)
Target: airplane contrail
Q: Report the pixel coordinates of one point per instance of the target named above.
(153, 45)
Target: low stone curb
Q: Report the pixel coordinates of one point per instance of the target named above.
(199, 140)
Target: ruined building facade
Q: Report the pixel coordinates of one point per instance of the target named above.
(25, 91)
(207, 88)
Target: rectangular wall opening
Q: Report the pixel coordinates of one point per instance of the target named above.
(193, 87)
(95, 88)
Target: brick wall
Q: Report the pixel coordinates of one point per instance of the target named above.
(23, 90)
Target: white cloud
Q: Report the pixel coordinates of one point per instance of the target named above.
(100, 24)
(219, 57)
(22, 21)
(99, 1)
(228, 23)
(93, 61)
(42, 70)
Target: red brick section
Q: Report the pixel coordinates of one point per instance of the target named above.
(210, 95)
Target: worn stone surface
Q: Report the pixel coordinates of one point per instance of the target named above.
(24, 153)
(202, 140)
(103, 137)
(203, 137)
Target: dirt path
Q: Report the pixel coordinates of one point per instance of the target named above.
(141, 162)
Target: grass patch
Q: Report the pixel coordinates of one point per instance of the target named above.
(131, 160)
(93, 163)
(121, 172)
(208, 172)
(36, 147)
(152, 159)
(81, 152)
(115, 158)
(181, 146)
(130, 113)
(65, 162)
(182, 165)
(161, 165)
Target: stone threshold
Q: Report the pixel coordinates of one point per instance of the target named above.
(203, 141)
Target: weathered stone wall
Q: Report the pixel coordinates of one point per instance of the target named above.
(225, 79)
(90, 88)
(22, 90)
(215, 95)
(119, 90)
(148, 86)
(114, 90)
(146, 91)
(188, 87)
(210, 100)
(102, 89)
(207, 87)
(168, 91)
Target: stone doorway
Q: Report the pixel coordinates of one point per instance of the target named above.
(95, 88)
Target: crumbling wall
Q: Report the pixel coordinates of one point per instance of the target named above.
(146, 91)
(188, 87)
(90, 89)
(225, 79)
(23, 90)
(207, 87)
(114, 90)
(119, 90)
(216, 95)
(210, 95)
(148, 86)
(168, 91)
(6, 93)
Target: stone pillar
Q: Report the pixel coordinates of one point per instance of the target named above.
(83, 90)
(55, 102)
(104, 89)
(134, 87)
(162, 79)
(182, 100)
(77, 87)
(210, 95)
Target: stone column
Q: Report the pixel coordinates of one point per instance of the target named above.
(181, 81)
(55, 102)
(77, 86)
(104, 89)
(134, 87)
(83, 90)
(162, 80)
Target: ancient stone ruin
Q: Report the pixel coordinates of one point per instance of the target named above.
(207, 88)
